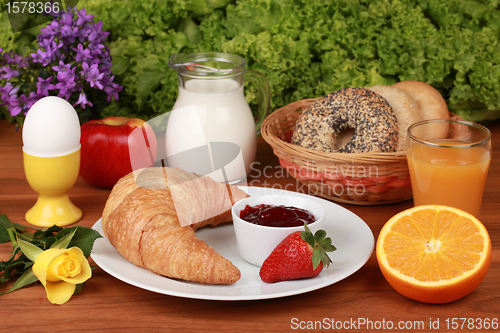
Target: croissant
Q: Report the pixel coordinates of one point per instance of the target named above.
(151, 216)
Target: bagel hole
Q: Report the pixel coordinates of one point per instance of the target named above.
(344, 137)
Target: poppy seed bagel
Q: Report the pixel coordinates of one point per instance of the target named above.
(369, 114)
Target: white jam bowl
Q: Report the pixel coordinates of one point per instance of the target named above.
(256, 242)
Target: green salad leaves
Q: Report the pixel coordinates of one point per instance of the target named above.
(307, 48)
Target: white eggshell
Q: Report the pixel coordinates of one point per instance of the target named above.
(51, 128)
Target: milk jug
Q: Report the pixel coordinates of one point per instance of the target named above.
(211, 129)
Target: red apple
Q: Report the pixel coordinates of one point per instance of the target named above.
(113, 147)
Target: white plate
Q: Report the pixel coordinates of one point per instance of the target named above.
(351, 236)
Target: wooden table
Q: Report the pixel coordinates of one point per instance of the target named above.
(364, 300)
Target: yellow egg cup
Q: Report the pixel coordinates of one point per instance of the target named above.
(52, 178)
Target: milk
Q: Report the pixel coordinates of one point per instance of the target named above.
(208, 112)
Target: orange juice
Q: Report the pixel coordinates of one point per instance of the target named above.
(449, 176)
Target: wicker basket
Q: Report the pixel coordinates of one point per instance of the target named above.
(356, 178)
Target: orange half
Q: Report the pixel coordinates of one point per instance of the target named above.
(434, 254)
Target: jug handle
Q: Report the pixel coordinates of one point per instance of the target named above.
(264, 102)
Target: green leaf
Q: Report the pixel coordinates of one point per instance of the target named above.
(84, 238)
(78, 288)
(31, 251)
(320, 235)
(4, 235)
(329, 248)
(320, 244)
(12, 258)
(148, 82)
(120, 65)
(316, 258)
(25, 236)
(191, 30)
(6, 223)
(48, 232)
(27, 278)
(325, 259)
(17, 266)
(64, 241)
(14, 266)
(308, 237)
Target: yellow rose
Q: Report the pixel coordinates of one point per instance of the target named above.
(60, 270)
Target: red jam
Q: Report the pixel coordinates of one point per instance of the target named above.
(276, 216)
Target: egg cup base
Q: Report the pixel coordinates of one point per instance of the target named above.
(53, 210)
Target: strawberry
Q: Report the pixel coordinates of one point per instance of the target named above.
(300, 255)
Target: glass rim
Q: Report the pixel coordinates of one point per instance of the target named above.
(181, 61)
(463, 122)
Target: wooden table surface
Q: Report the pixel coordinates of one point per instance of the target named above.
(363, 301)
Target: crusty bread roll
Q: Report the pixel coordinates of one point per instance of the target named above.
(151, 216)
(430, 103)
(404, 107)
(459, 131)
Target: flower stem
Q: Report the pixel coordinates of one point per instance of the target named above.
(12, 236)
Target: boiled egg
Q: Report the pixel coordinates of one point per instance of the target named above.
(51, 128)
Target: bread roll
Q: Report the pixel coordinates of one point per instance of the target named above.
(430, 103)
(404, 107)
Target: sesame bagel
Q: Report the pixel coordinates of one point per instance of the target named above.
(404, 107)
(369, 114)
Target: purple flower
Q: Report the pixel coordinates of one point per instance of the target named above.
(69, 33)
(54, 48)
(66, 89)
(67, 18)
(83, 34)
(96, 49)
(82, 17)
(16, 59)
(18, 104)
(94, 61)
(8, 73)
(52, 51)
(4, 91)
(43, 86)
(32, 98)
(112, 91)
(92, 75)
(41, 57)
(9, 99)
(64, 71)
(62, 67)
(50, 29)
(82, 100)
(97, 35)
(81, 53)
(45, 42)
(8, 90)
(38, 56)
(11, 57)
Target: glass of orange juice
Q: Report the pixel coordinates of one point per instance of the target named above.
(448, 162)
